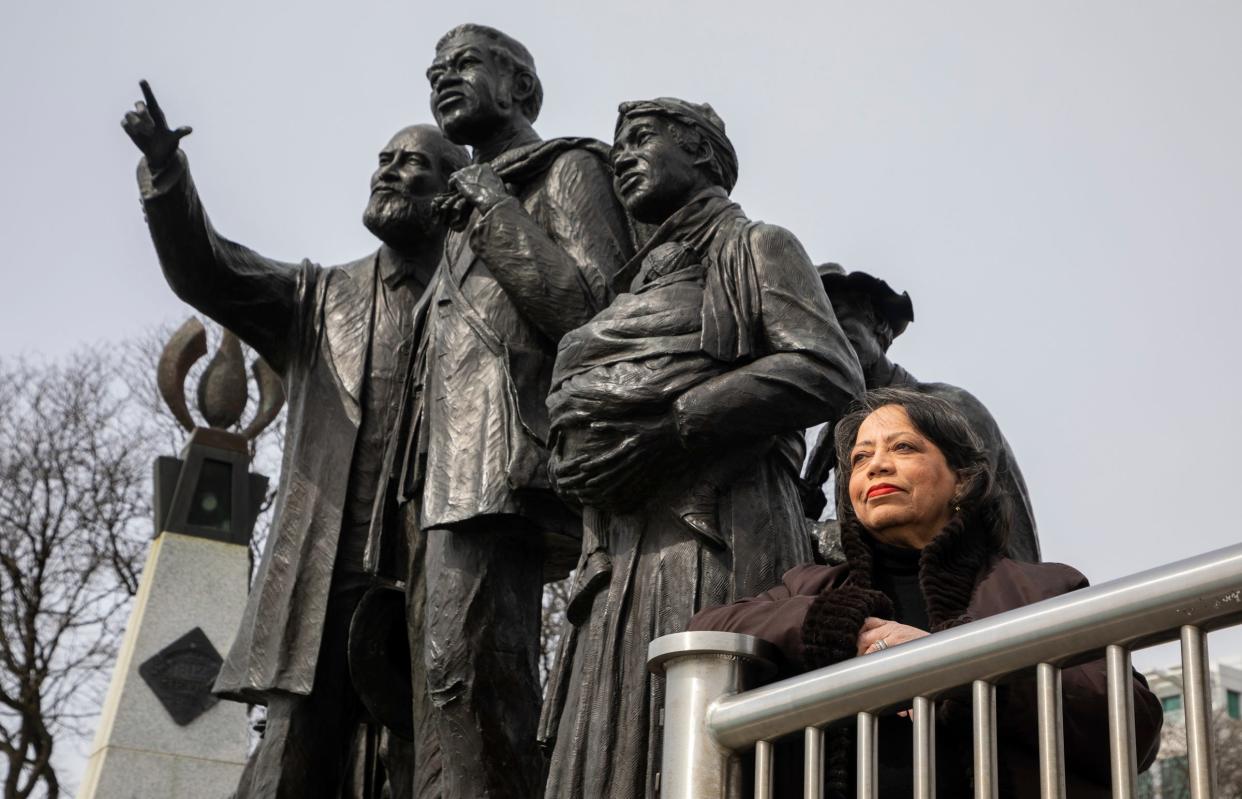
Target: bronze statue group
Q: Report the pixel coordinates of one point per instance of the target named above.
(567, 354)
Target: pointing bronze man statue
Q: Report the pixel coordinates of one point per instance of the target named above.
(678, 416)
(542, 237)
(872, 315)
(341, 339)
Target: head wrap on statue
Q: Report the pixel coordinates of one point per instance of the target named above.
(699, 117)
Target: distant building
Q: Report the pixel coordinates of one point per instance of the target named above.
(1167, 778)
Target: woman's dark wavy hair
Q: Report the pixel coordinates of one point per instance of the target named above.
(984, 507)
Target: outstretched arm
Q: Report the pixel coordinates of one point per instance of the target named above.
(255, 297)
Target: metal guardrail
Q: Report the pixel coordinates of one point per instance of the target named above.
(710, 720)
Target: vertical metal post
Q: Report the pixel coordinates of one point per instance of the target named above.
(700, 668)
(1197, 688)
(924, 748)
(984, 714)
(868, 764)
(1051, 732)
(813, 754)
(1121, 723)
(763, 770)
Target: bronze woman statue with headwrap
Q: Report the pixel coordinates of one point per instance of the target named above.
(677, 417)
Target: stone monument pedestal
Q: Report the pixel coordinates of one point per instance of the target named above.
(161, 733)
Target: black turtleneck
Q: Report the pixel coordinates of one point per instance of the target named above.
(895, 571)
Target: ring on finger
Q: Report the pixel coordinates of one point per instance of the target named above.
(880, 645)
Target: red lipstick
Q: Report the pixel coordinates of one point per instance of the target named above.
(881, 489)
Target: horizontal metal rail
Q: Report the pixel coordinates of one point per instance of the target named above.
(1140, 610)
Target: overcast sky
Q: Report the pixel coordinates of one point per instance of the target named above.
(1057, 184)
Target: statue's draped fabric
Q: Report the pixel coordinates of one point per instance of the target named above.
(315, 326)
(756, 353)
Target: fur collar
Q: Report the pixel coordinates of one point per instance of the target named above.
(949, 568)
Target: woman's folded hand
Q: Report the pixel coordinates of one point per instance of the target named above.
(880, 634)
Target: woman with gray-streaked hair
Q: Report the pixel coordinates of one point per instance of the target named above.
(923, 527)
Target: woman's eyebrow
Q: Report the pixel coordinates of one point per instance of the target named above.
(886, 438)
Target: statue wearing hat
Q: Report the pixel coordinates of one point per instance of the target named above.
(872, 315)
(676, 423)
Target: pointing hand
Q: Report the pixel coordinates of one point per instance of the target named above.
(149, 130)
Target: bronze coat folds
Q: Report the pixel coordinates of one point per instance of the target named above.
(312, 325)
(786, 365)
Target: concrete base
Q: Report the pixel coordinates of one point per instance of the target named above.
(139, 751)
(133, 774)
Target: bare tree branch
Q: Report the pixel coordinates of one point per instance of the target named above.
(1171, 772)
(77, 442)
(555, 600)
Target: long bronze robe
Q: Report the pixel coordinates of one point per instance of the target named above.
(764, 311)
(313, 325)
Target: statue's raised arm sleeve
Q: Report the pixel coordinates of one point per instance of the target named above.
(557, 270)
(256, 298)
(807, 372)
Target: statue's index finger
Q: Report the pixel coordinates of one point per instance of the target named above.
(152, 104)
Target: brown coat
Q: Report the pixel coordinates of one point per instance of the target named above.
(808, 616)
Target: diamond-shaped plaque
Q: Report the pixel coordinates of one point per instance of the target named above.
(181, 675)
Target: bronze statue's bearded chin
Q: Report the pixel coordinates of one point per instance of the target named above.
(398, 219)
